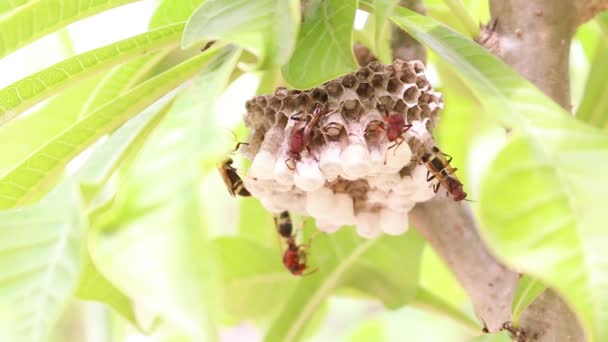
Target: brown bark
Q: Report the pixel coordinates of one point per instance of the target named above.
(452, 231)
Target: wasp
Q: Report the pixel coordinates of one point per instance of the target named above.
(438, 165)
(300, 137)
(295, 255)
(394, 124)
(231, 178)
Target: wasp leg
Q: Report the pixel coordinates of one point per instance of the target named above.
(436, 187)
(406, 128)
(238, 145)
(449, 157)
(310, 272)
(428, 179)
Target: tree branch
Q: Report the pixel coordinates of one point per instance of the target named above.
(451, 229)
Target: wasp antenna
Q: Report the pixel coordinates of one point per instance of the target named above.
(468, 200)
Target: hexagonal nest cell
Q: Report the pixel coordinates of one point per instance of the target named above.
(325, 152)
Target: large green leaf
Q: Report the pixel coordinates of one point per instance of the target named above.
(41, 257)
(178, 279)
(594, 106)
(122, 144)
(119, 80)
(6, 6)
(26, 23)
(537, 198)
(29, 177)
(95, 287)
(385, 268)
(266, 27)
(258, 287)
(384, 9)
(25, 93)
(171, 11)
(324, 47)
(20, 138)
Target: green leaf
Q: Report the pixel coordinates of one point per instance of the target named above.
(459, 10)
(119, 80)
(384, 9)
(499, 337)
(594, 106)
(385, 268)
(527, 291)
(25, 93)
(29, 177)
(21, 138)
(41, 257)
(122, 144)
(6, 6)
(536, 201)
(258, 287)
(179, 279)
(171, 12)
(95, 287)
(27, 23)
(324, 47)
(266, 27)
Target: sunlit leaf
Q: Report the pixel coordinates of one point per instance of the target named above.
(20, 138)
(527, 291)
(119, 80)
(94, 286)
(41, 256)
(6, 6)
(171, 12)
(594, 106)
(122, 144)
(385, 268)
(179, 280)
(324, 47)
(26, 23)
(25, 93)
(498, 337)
(534, 201)
(256, 284)
(29, 177)
(384, 9)
(266, 27)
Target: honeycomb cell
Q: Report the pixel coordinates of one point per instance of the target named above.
(261, 101)
(334, 89)
(275, 103)
(407, 76)
(319, 95)
(364, 74)
(386, 101)
(379, 82)
(351, 109)
(365, 90)
(391, 72)
(375, 67)
(413, 113)
(422, 83)
(393, 85)
(349, 81)
(281, 92)
(424, 98)
(411, 95)
(400, 106)
(417, 66)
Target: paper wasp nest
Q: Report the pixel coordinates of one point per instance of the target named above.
(350, 177)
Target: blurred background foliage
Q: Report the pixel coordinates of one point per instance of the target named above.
(117, 227)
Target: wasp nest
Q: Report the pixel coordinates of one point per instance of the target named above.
(350, 173)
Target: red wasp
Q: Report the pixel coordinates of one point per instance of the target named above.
(396, 127)
(439, 167)
(294, 257)
(300, 137)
